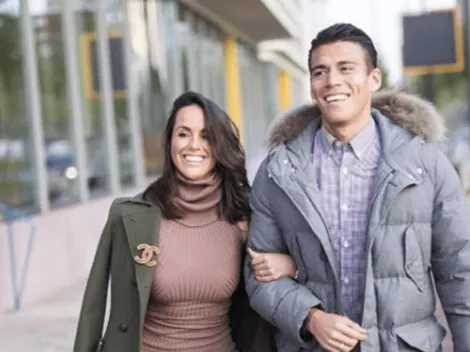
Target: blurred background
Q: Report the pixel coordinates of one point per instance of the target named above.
(86, 87)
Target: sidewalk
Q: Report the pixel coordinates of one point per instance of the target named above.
(50, 326)
(47, 327)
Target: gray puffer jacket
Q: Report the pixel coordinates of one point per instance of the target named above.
(418, 236)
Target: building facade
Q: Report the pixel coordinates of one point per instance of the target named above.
(85, 90)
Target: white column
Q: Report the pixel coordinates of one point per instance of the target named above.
(74, 95)
(33, 106)
(106, 96)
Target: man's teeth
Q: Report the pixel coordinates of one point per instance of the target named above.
(336, 97)
(194, 159)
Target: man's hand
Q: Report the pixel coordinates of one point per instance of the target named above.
(271, 266)
(335, 333)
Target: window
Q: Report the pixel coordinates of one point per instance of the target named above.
(116, 17)
(149, 60)
(93, 126)
(16, 157)
(56, 122)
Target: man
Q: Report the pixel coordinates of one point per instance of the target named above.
(357, 191)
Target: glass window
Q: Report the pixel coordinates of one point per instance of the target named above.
(116, 20)
(16, 163)
(255, 82)
(149, 60)
(215, 66)
(59, 146)
(91, 104)
(201, 45)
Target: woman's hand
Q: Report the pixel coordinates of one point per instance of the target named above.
(272, 266)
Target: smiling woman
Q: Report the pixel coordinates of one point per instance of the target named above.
(201, 139)
(190, 149)
(187, 235)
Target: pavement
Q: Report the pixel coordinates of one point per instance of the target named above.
(50, 325)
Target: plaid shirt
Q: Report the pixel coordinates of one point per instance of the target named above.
(346, 180)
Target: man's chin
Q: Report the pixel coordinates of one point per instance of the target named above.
(336, 119)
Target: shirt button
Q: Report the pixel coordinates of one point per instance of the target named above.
(345, 244)
(344, 207)
(419, 170)
(346, 280)
(345, 170)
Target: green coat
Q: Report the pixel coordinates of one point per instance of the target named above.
(133, 221)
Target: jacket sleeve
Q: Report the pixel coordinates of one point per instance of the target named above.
(90, 323)
(284, 302)
(451, 251)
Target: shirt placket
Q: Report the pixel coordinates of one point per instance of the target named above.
(345, 240)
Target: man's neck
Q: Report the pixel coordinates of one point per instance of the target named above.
(345, 132)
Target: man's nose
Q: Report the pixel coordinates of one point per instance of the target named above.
(333, 78)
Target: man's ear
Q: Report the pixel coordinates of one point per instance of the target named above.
(375, 80)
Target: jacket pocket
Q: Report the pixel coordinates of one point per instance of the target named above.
(299, 261)
(424, 336)
(414, 267)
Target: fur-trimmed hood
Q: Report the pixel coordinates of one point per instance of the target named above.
(411, 112)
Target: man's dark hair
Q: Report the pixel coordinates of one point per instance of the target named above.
(345, 32)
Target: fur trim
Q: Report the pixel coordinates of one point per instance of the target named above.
(411, 112)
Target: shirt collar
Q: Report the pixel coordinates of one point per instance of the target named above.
(359, 143)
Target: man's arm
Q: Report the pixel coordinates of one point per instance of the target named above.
(284, 303)
(451, 251)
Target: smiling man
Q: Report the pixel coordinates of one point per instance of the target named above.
(357, 191)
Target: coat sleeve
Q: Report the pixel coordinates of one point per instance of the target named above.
(451, 251)
(284, 302)
(90, 323)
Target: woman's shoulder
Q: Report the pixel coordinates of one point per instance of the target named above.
(125, 205)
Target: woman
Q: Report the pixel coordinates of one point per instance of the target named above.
(175, 252)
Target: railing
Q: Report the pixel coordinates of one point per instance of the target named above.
(12, 216)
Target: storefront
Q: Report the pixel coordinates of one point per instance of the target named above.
(85, 89)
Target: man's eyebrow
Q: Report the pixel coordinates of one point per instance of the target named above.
(317, 67)
(344, 62)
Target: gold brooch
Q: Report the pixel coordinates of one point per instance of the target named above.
(148, 252)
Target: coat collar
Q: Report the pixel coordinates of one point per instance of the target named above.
(412, 113)
(395, 140)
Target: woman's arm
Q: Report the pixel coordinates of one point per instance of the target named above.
(272, 266)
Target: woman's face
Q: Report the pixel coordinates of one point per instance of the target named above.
(190, 150)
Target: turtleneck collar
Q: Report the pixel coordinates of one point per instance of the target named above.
(198, 200)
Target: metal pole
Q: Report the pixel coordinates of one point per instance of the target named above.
(74, 96)
(106, 95)
(33, 97)
(133, 104)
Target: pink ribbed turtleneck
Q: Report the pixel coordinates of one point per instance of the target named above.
(198, 270)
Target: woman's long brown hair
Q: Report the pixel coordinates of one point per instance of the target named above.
(224, 139)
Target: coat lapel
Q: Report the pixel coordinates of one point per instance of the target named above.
(142, 230)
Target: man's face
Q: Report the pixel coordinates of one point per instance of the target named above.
(342, 81)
